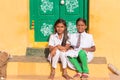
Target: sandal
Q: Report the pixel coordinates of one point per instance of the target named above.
(85, 75)
(77, 75)
(66, 76)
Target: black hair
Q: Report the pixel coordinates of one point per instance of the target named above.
(80, 19)
(65, 38)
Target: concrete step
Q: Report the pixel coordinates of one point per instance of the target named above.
(34, 66)
(37, 77)
(96, 60)
(31, 51)
(43, 69)
(40, 55)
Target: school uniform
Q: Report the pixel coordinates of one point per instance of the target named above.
(54, 41)
(86, 41)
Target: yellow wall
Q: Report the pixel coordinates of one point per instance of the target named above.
(14, 26)
(104, 25)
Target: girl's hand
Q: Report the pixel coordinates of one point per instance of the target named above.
(58, 46)
(91, 49)
(53, 51)
(61, 48)
(86, 49)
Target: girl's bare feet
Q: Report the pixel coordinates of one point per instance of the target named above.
(66, 76)
(52, 74)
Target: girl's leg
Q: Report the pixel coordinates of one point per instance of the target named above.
(76, 64)
(64, 65)
(83, 59)
(52, 53)
(55, 60)
(65, 74)
(52, 74)
(63, 60)
(54, 65)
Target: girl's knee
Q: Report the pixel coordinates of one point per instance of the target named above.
(82, 52)
(57, 53)
(62, 54)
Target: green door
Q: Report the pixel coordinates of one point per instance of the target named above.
(45, 12)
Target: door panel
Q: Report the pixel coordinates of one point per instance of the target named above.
(44, 13)
(47, 14)
(70, 11)
(43, 30)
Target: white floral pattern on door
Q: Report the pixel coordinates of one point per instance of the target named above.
(46, 5)
(46, 29)
(71, 27)
(71, 5)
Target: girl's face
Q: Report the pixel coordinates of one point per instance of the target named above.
(81, 26)
(60, 28)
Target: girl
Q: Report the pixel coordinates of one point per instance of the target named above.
(83, 48)
(58, 46)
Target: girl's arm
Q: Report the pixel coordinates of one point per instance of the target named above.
(66, 47)
(52, 50)
(63, 48)
(92, 49)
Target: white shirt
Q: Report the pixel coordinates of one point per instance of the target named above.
(54, 40)
(86, 41)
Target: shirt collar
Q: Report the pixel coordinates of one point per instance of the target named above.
(82, 34)
(56, 34)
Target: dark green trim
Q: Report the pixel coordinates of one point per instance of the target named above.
(86, 12)
(31, 12)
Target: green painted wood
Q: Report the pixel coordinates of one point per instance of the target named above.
(32, 12)
(45, 12)
(72, 10)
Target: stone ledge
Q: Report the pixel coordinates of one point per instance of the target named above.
(96, 60)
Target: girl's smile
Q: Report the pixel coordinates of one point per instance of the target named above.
(81, 26)
(60, 28)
